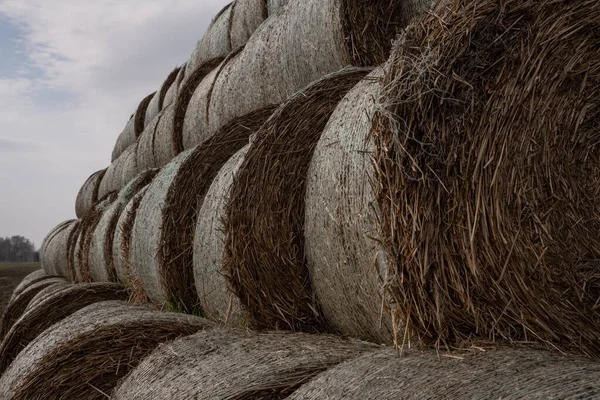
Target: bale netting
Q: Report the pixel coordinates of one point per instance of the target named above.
(30, 279)
(145, 146)
(171, 94)
(225, 364)
(163, 239)
(56, 258)
(503, 373)
(100, 256)
(218, 301)
(264, 246)
(112, 181)
(307, 41)
(17, 306)
(88, 194)
(125, 139)
(122, 249)
(343, 254)
(46, 256)
(86, 354)
(487, 169)
(57, 303)
(130, 166)
(165, 148)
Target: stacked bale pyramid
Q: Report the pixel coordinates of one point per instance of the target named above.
(338, 199)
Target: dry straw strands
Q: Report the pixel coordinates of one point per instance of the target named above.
(217, 300)
(163, 238)
(88, 194)
(100, 256)
(309, 39)
(130, 167)
(145, 146)
(235, 365)
(497, 373)
(156, 104)
(87, 353)
(47, 291)
(112, 181)
(488, 165)
(56, 252)
(58, 302)
(173, 91)
(46, 254)
(265, 260)
(340, 222)
(140, 114)
(30, 279)
(17, 306)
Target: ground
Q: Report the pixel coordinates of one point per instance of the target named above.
(10, 276)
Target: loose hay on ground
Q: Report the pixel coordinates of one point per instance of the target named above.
(265, 261)
(487, 173)
(58, 302)
(87, 353)
(236, 365)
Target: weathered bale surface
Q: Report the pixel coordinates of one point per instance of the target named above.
(130, 167)
(85, 239)
(173, 91)
(125, 139)
(236, 365)
(156, 104)
(163, 238)
(498, 373)
(56, 258)
(46, 255)
(100, 257)
(86, 354)
(487, 167)
(72, 246)
(15, 308)
(265, 261)
(140, 115)
(112, 180)
(309, 39)
(88, 194)
(340, 222)
(165, 148)
(29, 280)
(185, 96)
(59, 301)
(195, 122)
(245, 17)
(216, 298)
(145, 146)
(47, 291)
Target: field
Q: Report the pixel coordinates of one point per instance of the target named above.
(10, 276)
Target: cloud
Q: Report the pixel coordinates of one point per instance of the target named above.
(88, 64)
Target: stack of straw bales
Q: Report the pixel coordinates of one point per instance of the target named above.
(84, 355)
(265, 260)
(235, 365)
(57, 303)
(487, 155)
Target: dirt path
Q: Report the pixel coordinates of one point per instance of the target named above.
(10, 276)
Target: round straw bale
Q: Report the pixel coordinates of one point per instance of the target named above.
(47, 291)
(112, 180)
(165, 148)
(57, 252)
(55, 304)
(215, 43)
(171, 94)
(71, 251)
(15, 308)
(487, 166)
(309, 39)
(125, 139)
(216, 298)
(185, 96)
(30, 279)
(130, 167)
(503, 373)
(276, 6)
(163, 239)
(140, 114)
(265, 260)
(46, 254)
(340, 222)
(145, 146)
(225, 364)
(86, 354)
(246, 16)
(156, 104)
(195, 122)
(100, 258)
(88, 194)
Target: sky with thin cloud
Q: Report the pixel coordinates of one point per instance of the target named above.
(71, 74)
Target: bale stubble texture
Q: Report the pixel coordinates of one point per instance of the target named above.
(88, 194)
(87, 353)
(487, 169)
(54, 306)
(265, 261)
(236, 365)
(502, 373)
(341, 223)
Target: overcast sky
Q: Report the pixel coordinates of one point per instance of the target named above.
(71, 74)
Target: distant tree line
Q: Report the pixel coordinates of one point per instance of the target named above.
(18, 249)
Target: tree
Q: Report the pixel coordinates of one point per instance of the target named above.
(16, 249)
